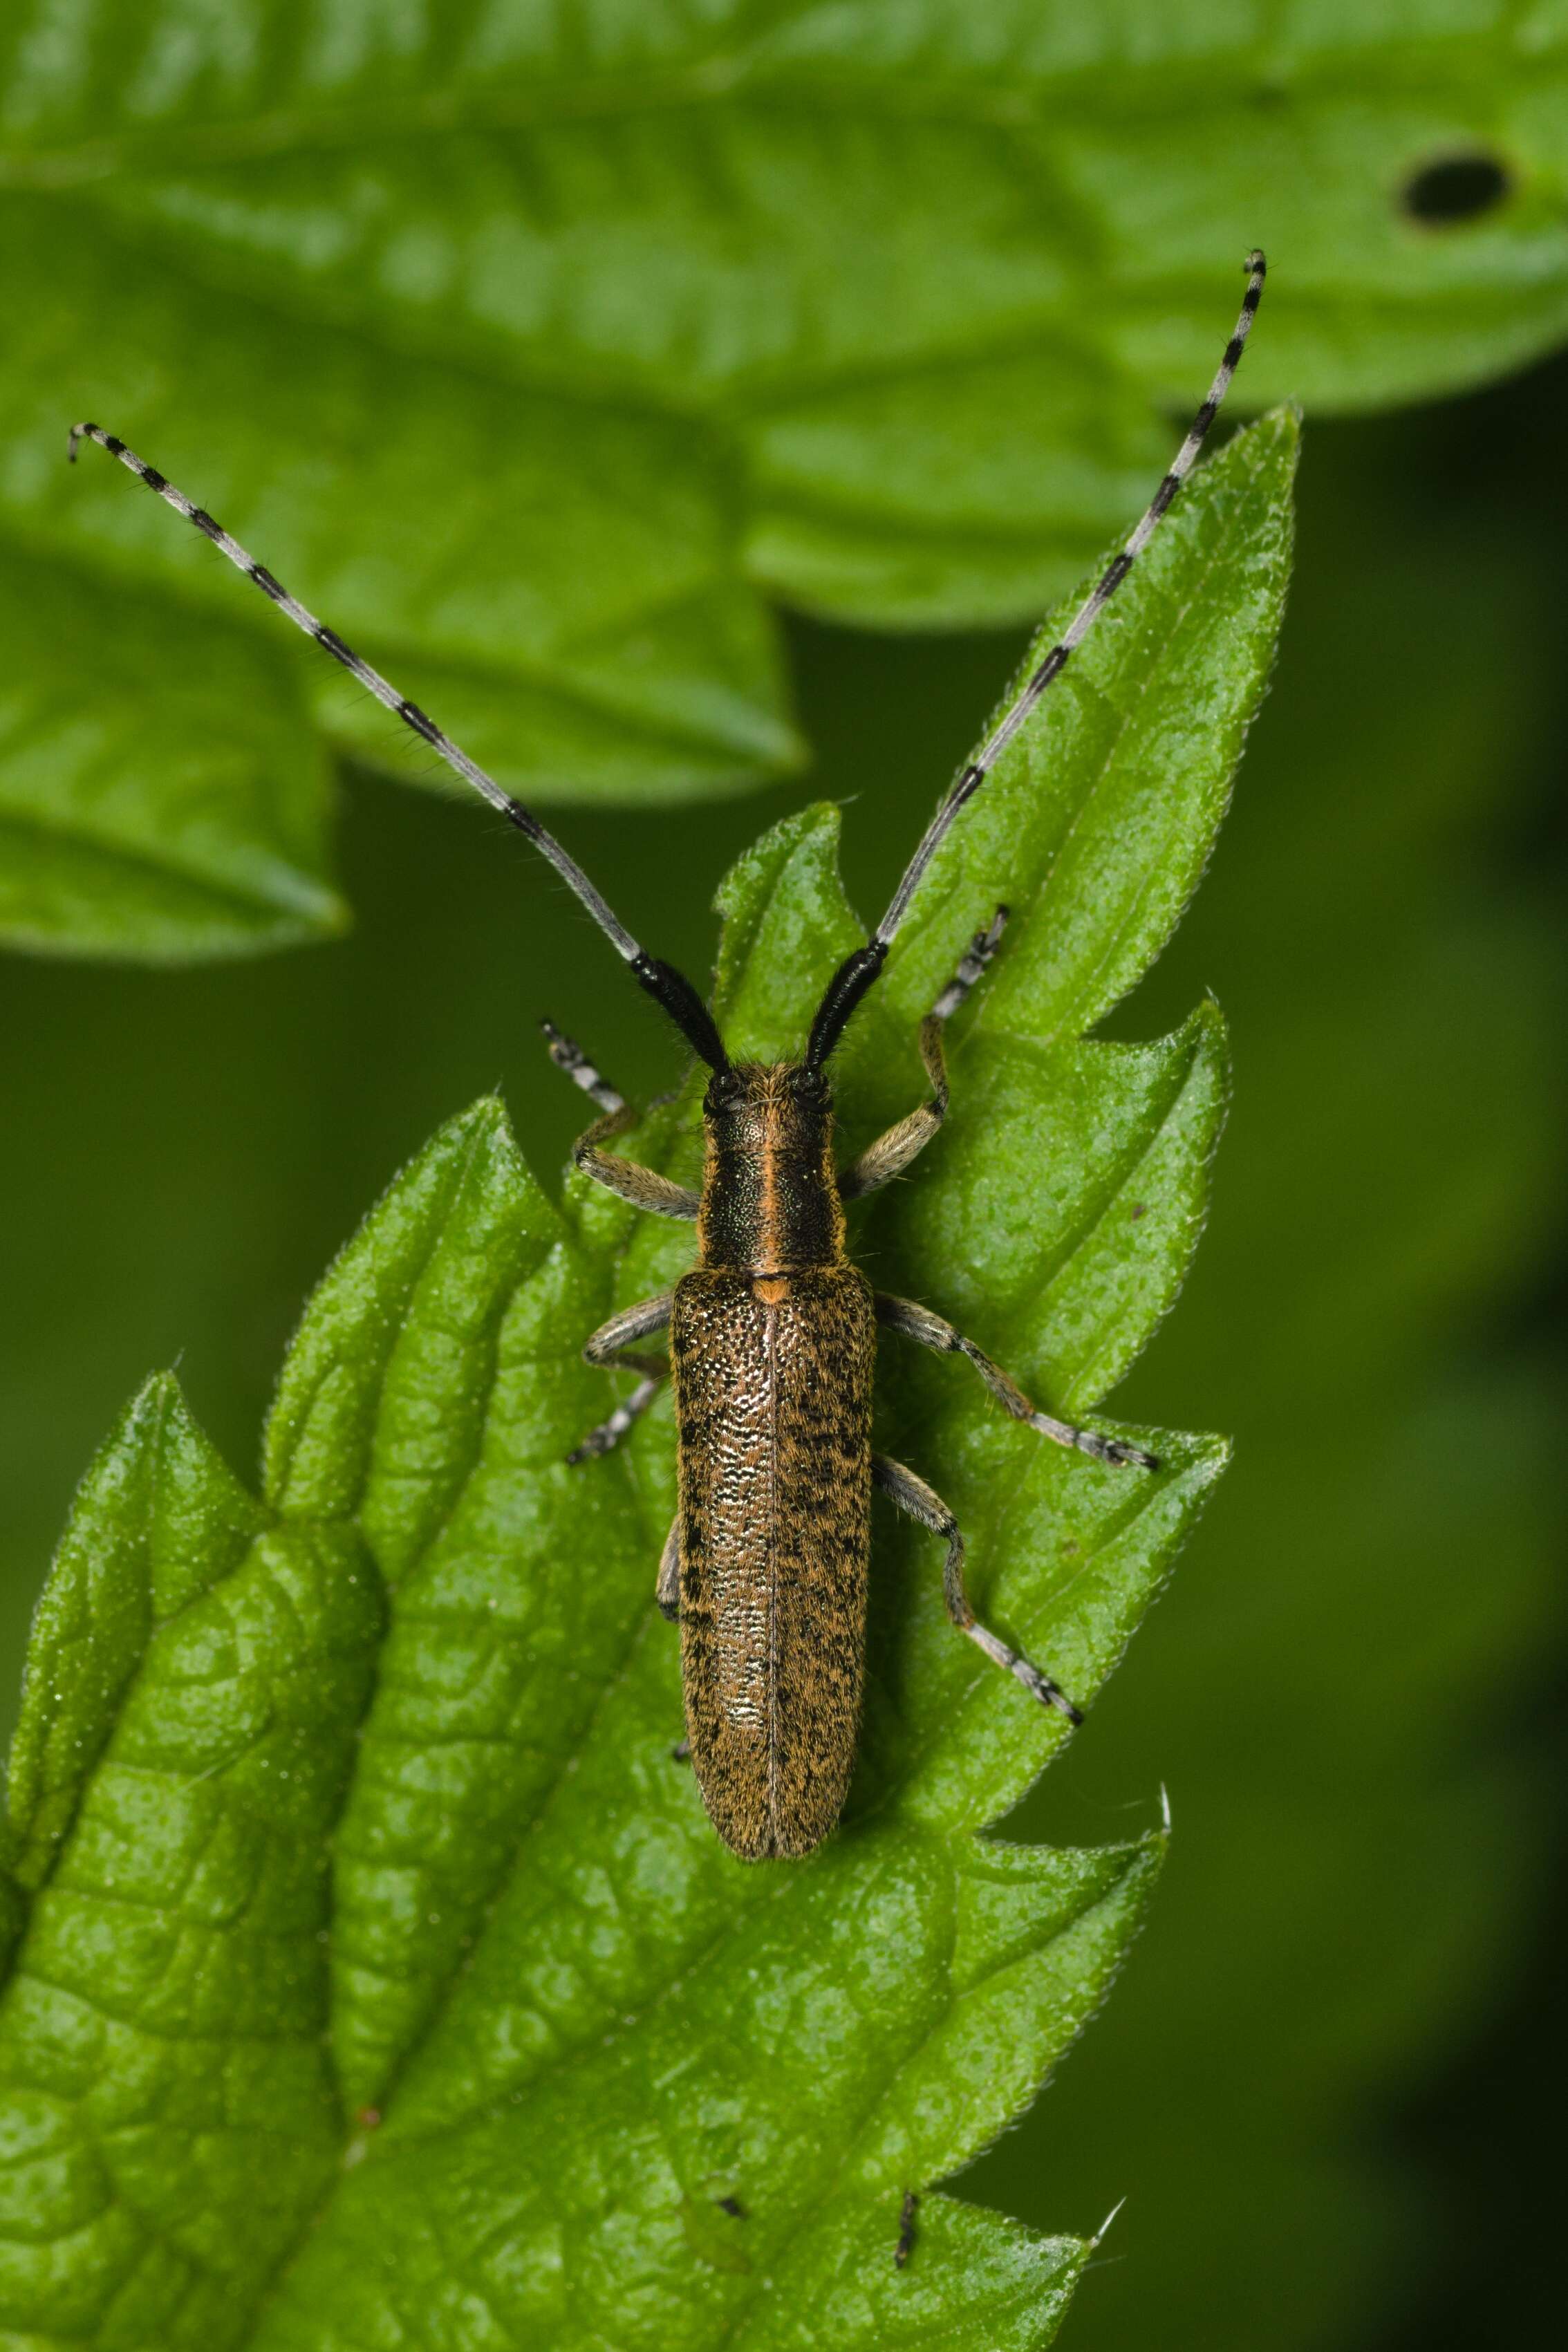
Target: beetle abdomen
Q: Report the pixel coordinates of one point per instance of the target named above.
(772, 1388)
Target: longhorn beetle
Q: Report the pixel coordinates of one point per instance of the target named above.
(772, 1333)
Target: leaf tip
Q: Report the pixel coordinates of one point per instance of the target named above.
(1278, 432)
(1205, 1037)
(159, 1392)
(485, 1120)
(155, 1408)
(816, 826)
(1205, 1033)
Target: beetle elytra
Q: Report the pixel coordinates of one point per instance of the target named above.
(771, 1335)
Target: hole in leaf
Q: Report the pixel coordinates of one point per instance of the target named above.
(1454, 189)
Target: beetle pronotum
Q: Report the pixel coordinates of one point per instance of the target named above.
(772, 1333)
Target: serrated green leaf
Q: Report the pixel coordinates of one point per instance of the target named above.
(384, 1974)
(170, 2105)
(1387, 960)
(1102, 814)
(1124, 1157)
(841, 2289)
(531, 348)
(157, 1520)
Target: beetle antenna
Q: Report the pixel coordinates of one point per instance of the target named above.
(857, 971)
(669, 987)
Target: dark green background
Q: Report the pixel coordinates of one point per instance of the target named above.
(1331, 2078)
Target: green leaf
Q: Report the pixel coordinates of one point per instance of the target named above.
(157, 1521)
(151, 807)
(1017, 2286)
(1388, 958)
(382, 1976)
(532, 350)
(171, 2119)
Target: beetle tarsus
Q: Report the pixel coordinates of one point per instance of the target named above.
(1116, 1451)
(667, 1592)
(568, 1056)
(905, 2246)
(609, 1433)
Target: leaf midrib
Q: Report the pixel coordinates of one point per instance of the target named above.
(997, 100)
(535, 367)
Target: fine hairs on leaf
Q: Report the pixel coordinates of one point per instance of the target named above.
(375, 1977)
(528, 344)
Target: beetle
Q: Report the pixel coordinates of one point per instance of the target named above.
(771, 1335)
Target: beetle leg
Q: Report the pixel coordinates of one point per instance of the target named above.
(892, 1151)
(921, 1502)
(608, 1348)
(907, 2211)
(644, 1187)
(609, 1433)
(918, 1323)
(667, 1590)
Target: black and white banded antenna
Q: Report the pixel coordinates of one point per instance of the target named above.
(669, 988)
(857, 971)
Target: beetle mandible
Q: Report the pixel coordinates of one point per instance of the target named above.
(772, 1334)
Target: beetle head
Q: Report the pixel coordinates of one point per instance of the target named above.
(768, 1105)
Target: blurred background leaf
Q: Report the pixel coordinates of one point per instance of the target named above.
(537, 348)
(1332, 2077)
